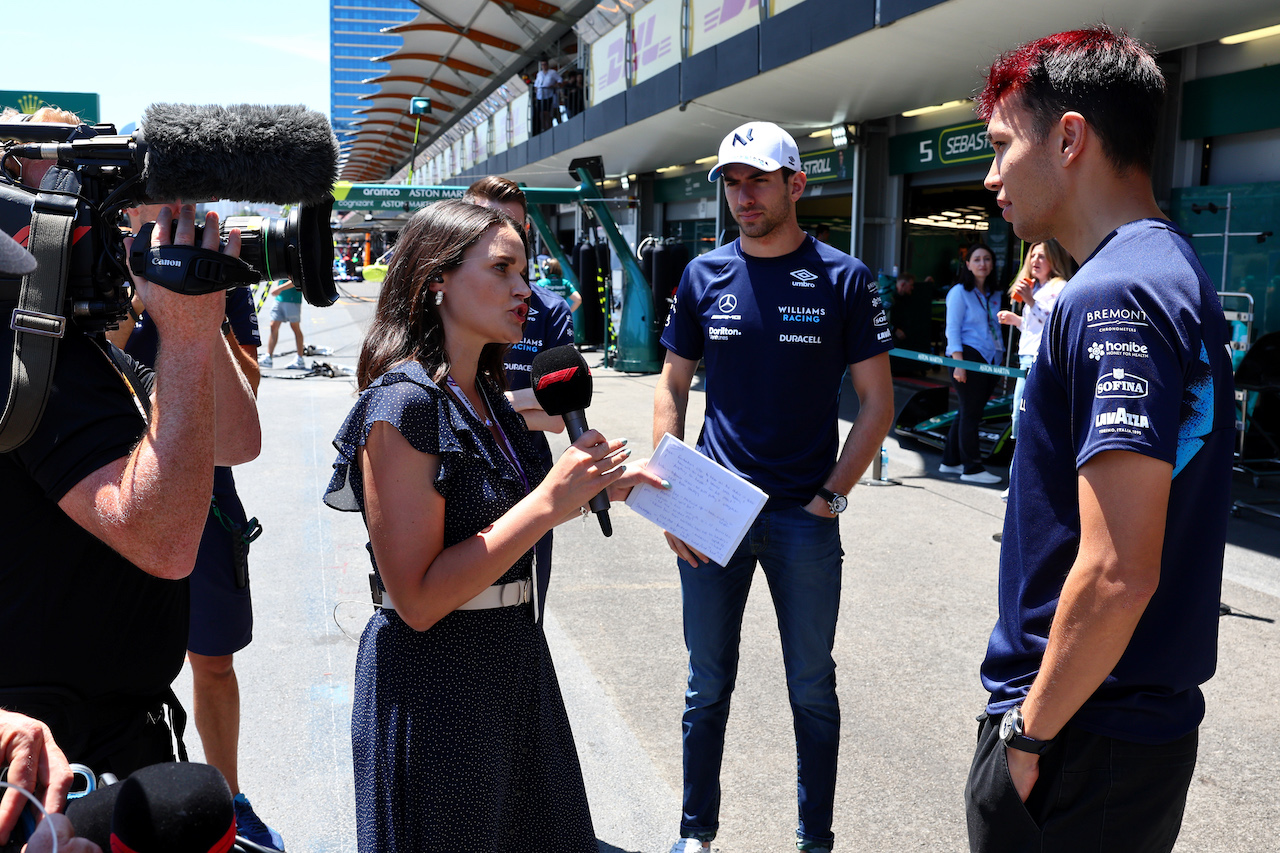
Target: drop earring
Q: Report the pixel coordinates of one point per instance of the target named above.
(439, 297)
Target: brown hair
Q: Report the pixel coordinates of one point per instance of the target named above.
(406, 324)
(499, 189)
(552, 266)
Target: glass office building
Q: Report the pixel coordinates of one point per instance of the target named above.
(355, 39)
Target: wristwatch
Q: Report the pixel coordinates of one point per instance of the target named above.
(1011, 733)
(835, 502)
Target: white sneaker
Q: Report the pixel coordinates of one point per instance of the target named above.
(985, 478)
(689, 845)
(264, 360)
(297, 364)
(950, 469)
(1004, 496)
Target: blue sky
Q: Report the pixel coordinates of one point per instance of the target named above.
(136, 53)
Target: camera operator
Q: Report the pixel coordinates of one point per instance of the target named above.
(102, 512)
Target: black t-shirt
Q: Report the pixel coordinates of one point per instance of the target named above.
(80, 616)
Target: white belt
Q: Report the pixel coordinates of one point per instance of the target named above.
(498, 595)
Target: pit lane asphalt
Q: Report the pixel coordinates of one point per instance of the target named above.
(918, 603)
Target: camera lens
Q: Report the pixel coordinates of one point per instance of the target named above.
(298, 247)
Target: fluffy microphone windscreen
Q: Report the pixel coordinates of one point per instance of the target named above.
(91, 815)
(561, 380)
(173, 808)
(245, 152)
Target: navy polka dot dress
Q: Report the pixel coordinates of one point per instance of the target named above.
(459, 733)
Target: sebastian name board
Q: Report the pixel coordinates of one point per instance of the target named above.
(939, 148)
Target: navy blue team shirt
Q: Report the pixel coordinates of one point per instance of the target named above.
(1134, 358)
(777, 335)
(549, 324)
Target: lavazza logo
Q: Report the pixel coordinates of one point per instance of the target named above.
(803, 278)
(1122, 384)
(1121, 418)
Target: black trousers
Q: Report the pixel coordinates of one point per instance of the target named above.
(1095, 794)
(962, 439)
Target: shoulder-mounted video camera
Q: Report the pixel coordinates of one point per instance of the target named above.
(282, 155)
(277, 154)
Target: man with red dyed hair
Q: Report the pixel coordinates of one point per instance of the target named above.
(1112, 551)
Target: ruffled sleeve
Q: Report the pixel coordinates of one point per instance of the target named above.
(417, 408)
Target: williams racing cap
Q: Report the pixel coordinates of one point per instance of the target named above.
(758, 143)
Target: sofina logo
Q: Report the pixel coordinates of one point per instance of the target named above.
(1118, 383)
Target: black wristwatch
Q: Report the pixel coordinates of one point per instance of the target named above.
(835, 502)
(1011, 734)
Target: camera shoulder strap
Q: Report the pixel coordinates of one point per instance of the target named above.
(38, 326)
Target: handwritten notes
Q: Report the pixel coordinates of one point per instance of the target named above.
(708, 506)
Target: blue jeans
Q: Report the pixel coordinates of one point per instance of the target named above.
(1025, 362)
(801, 557)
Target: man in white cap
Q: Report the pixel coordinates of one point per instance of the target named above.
(778, 318)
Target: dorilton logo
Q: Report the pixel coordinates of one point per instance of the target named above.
(1118, 383)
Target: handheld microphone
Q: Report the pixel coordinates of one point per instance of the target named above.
(176, 807)
(562, 386)
(246, 152)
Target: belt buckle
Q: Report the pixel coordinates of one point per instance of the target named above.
(520, 590)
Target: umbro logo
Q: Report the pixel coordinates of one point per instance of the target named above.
(803, 275)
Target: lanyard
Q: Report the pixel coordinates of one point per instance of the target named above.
(993, 324)
(505, 445)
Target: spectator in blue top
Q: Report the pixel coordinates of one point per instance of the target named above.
(973, 334)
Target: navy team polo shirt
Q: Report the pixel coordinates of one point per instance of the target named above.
(777, 335)
(1134, 357)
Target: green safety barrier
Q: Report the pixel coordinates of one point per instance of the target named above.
(998, 370)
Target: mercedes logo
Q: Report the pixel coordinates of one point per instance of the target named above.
(727, 303)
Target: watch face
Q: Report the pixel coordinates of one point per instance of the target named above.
(839, 503)
(1006, 726)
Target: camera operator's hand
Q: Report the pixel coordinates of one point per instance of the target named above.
(56, 824)
(150, 506)
(35, 763)
(178, 315)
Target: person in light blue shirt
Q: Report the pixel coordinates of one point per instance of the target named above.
(973, 334)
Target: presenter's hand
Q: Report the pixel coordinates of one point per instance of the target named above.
(35, 763)
(1008, 318)
(1024, 770)
(42, 840)
(960, 374)
(690, 555)
(637, 473)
